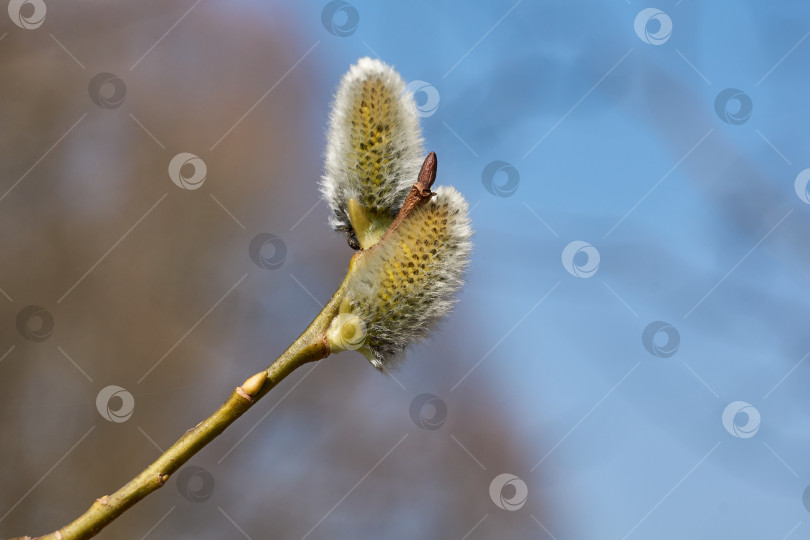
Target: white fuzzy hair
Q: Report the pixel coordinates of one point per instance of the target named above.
(408, 282)
(374, 144)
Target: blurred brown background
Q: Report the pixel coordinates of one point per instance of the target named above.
(136, 271)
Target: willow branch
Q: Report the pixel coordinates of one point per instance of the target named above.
(309, 347)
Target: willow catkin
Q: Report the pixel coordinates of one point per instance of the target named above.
(407, 283)
(374, 144)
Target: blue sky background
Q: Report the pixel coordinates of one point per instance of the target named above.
(610, 129)
(640, 446)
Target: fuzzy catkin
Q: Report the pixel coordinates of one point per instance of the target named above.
(374, 146)
(409, 281)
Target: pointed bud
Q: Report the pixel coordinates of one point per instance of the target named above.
(252, 386)
(374, 150)
(408, 282)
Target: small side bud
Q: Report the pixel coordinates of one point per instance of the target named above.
(252, 386)
(346, 333)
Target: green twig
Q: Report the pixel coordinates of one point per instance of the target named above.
(309, 347)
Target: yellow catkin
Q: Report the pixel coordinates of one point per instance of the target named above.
(374, 145)
(406, 284)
